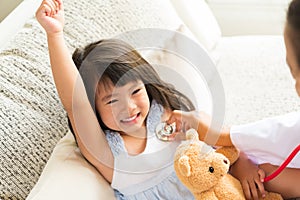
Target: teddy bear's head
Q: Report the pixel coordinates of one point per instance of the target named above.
(197, 165)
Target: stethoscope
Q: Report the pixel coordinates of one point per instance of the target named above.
(163, 131)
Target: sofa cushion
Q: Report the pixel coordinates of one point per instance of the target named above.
(68, 175)
(32, 118)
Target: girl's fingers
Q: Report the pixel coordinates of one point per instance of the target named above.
(177, 115)
(51, 3)
(179, 136)
(178, 127)
(56, 5)
(46, 9)
(52, 7)
(59, 4)
(50, 17)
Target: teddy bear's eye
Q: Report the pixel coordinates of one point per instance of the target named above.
(211, 169)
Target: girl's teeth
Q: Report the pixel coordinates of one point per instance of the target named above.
(129, 119)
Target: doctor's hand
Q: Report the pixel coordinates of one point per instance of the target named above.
(250, 176)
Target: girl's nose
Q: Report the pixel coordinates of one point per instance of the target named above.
(131, 105)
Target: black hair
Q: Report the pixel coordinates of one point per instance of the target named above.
(293, 23)
(114, 61)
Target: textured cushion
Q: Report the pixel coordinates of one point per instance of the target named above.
(256, 79)
(32, 118)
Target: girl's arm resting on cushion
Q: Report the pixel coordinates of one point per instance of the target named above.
(72, 92)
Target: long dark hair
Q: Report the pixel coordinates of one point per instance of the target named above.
(114, 61)
(293, 22)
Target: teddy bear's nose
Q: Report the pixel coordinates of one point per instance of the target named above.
(225, 161)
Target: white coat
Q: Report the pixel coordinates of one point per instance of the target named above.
(270, 140)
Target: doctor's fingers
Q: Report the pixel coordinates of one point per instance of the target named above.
(259, 182)
(246, 189)
(253, 190)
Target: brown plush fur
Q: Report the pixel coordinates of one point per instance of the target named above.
(206, 174)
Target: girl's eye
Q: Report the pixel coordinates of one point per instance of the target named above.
(136, 91)
(112, 101)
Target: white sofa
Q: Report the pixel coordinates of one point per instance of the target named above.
(256, 82)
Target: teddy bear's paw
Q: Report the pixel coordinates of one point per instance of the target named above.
(191, 134)
(272, 196)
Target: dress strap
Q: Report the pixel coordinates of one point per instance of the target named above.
(115, 142)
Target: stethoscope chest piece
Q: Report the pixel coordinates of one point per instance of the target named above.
(164, 130)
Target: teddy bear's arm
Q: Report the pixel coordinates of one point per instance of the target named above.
(207, 195)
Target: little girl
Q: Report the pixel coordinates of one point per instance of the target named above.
(267, 142)
(108, 86)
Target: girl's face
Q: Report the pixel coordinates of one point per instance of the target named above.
(123, 108)
(291, 59)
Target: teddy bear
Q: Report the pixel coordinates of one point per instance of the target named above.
(204, 170)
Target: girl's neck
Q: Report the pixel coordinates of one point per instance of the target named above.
(135, 143)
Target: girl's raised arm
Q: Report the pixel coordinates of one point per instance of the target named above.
(71, 90)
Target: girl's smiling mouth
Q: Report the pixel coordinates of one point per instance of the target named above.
(131, 119)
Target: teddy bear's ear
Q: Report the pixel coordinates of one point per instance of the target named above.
(184, 166)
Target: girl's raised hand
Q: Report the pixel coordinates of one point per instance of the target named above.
(50, 15)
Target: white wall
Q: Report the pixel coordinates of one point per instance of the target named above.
(16, 19)
(244, 17)
(6, 6)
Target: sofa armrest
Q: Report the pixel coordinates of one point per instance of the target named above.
(16, 20)
(245, 17)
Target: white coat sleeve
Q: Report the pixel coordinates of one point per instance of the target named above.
(270, 140)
